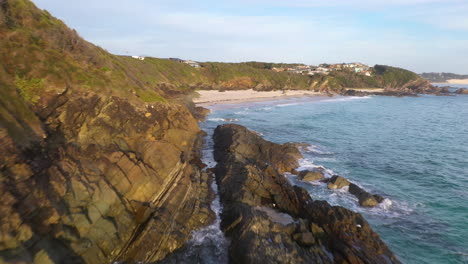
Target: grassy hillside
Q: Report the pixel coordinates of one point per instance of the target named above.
(39, 50)
(40, 56)
(383, 77)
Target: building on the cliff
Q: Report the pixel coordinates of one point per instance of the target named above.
(278, 69)
(192, 63)
(138, 57)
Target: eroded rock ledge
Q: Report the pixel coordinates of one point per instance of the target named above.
(99, 179)
(271, 221)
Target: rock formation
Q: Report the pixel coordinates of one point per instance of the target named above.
(337, 182)
(311, 175)
(462, 91)
(270, 221)
(98, 179)
(365, 199)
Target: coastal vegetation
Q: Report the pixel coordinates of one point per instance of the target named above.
(36, 46)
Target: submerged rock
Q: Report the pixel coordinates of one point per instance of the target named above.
(270, 221)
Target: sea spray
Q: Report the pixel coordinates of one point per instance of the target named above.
(207, 245)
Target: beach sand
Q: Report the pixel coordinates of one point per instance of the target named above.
(458, 81)
(210, 97)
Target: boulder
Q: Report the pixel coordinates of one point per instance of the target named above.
(365, 199)
(311, 175)
(337, 182)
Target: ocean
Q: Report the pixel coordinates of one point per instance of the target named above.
(412, 150)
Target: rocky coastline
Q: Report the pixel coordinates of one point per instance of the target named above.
(270, 221)
(100, 159)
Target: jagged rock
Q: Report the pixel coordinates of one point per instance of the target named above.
(108, 180)
(260, 208)
(281, 157)
(365, 199)
(337, 182)
(311, 175)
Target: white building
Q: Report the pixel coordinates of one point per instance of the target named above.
(138, 57)
(192, 63)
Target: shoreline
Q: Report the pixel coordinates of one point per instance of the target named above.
(214, 97)
(453, 81)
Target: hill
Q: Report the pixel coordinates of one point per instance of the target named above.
(442, 77)
(387, 77)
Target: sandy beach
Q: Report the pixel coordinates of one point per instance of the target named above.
(210, 97)
(458, 81)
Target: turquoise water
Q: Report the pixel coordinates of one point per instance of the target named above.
(413, 151)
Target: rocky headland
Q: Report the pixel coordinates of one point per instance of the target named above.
(100, 157)
(270, 221)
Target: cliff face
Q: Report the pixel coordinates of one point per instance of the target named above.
(96, 163)
(270, 221)
(103, 180)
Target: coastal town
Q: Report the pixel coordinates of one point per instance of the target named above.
(188, 62)
(325, 69)
(322, 69)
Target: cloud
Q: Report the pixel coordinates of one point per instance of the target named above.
(423, 35)
(353, 3)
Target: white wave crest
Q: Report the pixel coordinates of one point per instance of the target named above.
(223, 119)
(317, 150)
(347, 99)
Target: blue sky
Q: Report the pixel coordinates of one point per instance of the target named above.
(420, 35)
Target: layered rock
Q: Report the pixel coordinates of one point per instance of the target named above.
(270, 221)
(98, 179)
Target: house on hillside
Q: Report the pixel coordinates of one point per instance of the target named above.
(138, 57)
(278, 69)
(192, 63)
(336, 67)
(303, 67)
(367, 73)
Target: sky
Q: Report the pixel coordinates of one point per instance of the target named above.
(419, 35)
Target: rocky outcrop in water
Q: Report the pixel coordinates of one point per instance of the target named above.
(337, 182)
(270, 221)
(96, 179)
(311, 175)
(365, 199)
(462, 91)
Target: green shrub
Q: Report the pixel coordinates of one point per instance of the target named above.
(30, 89)
(149, 96)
